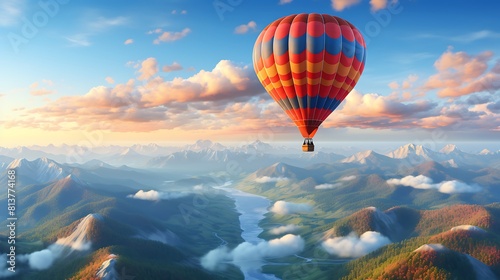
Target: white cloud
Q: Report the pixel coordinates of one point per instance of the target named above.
(169, 36)
(284, 208)
(41, 260)
(284, 229)
(248, 256)
(348, 178)
(352, 246)
(339, 183)
(128, 41)
(282, 2)
(327, 186)
(244, 28)
(79, 40)
(267, 179)
(103, 23)
(155, 195)
(423, 182)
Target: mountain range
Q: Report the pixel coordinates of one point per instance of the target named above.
(149, 211)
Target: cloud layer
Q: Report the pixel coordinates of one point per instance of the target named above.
(267, 179)
(352, 246)
(284, 208)
(284, 229)
(155, 195)
(248, 256)
(423, 182)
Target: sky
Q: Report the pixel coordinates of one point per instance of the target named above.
(160, 71)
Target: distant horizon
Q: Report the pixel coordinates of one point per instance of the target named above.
(330, 146)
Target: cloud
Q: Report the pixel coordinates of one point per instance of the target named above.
(79, 40)
(155, 195)
(244, 28)
(248, 256)
(348, 178)
(128, 41)
(227, 98)
(339, 183)
(494, 107)
(377, 111)
(182, 12)
(462, 74)
(41, 260)
(175, 66)
(378, 4)
(267, 179)
(109, 80)
(327, 186)
(340, 5)
(149, 68)
(4, 272)
(102, 23)
(284, 208)
(37, 90)
(155, 31)
(284, 229)
(94, 25)
(352, 246)
(169, 36)
(283, 2)
(423, 182)
(11, 11)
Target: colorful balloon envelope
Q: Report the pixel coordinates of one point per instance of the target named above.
(309, 63)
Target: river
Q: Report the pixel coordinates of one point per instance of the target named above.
(252, 209)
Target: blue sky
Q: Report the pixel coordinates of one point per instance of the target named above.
(426, 63)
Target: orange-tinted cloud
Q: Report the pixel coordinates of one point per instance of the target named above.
(340, 5)
(149, 68)
(461, 74)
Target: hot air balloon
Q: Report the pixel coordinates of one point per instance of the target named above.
(309, 63)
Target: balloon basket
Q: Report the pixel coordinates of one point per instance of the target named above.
(308, 148)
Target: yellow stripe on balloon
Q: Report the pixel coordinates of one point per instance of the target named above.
(298, 67)
(330, 68)
(315, 67)
(343, 70)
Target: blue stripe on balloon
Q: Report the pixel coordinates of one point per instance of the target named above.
(267, 49)
(280, 46)
(305, 102)
(333, 46)
(297, 45)
(315, 44)
(348, 47)
(360, 50)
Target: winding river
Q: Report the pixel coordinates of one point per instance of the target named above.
(252, 209)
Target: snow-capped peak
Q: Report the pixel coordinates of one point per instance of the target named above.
(449, 149)
(486, 152)
(41, 170)
(360, 157)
